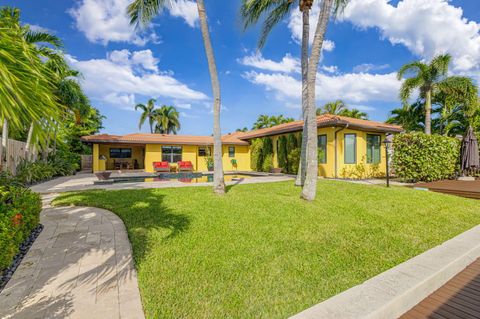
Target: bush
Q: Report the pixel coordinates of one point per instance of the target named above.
(293, 158)
(421, 157)
(61, 163)
(267, 163)
(19, 215)
(361, 170)
(256, 158)
(282, 152)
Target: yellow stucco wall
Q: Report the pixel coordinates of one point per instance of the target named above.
(328, 169)
(108, 164)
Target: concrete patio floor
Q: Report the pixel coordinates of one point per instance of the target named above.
(84, 181)
(80, 266)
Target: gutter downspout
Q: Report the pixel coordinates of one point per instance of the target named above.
(336, 147)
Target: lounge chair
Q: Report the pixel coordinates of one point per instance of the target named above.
(161, 167)
(185, 166)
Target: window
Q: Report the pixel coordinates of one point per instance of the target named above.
(202, 151)
(350, 142)
(322, 149)
(231, 151)
(373, 149)
(120, 153)
(171, 154)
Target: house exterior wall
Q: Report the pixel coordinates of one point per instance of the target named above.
(328, 169)
(146, 155)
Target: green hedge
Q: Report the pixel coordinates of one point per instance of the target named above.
(19, 215)
(421, 157)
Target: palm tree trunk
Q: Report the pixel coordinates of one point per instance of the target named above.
(309, 190)
(218, 180)
(300, 180)
(4, 146)
(428, 112)
(28, 148)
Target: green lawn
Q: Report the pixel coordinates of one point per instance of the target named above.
(261, 252)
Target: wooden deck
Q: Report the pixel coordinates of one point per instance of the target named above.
(470, 189)
(459, 298)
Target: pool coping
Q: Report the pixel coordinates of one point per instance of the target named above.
(395, 291)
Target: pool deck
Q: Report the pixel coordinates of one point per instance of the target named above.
(85, 181)
(469, 189)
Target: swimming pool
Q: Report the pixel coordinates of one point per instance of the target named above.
(183, 177)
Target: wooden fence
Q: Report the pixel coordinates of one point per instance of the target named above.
(16, 152)
(86, 163)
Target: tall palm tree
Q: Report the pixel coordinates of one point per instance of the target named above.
(142, 12)
(148, 112)
(426, 78)
(275, 11)
(167, 118)
(334, 107)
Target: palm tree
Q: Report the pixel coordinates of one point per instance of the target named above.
(328, 7)
(148, 112)
(167, 120)
(357, 114)
(263, 121)
(332, 108)
(142, 12)
(275, 11)
(410, 116)
(427, 78)
(21, 69)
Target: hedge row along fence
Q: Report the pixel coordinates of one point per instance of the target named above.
(288, 153)
(421, 157)
(19, 215)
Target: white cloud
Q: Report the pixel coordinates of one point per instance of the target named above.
(330, 69)
(185, 9)
(123, 75)
(288, 64)
(104, 21)
(354, 87)
(367, 67)
(425, 27)
(37, 28)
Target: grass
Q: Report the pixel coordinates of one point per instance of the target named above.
(261, 252)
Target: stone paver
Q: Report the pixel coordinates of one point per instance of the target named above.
(80, 266)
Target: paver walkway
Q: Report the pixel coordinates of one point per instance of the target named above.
(80, 266)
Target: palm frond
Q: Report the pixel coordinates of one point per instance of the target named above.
(141, 12)
(43, 37)
(415, 68)
(408, 86)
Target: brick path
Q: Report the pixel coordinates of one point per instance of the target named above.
(80, 266)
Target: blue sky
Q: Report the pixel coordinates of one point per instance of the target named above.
(365, 47)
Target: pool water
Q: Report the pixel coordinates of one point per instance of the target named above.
(181, 177)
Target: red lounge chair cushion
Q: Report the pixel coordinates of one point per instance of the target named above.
(185, 164)
(160, 164)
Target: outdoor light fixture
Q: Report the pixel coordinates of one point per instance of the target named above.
(387, 143)
(102, 158)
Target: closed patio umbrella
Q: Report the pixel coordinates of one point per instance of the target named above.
(470, 154)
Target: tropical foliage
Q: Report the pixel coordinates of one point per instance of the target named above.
(19, 215)
(147, 113)
(167, 120)
(339, 107)
(451, 93)
(265, 121)
(422, 157)
(56, 113)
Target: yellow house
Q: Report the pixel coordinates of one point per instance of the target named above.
(348, 147)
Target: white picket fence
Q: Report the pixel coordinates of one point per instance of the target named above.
(14, 155)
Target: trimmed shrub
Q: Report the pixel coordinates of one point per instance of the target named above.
(421, 157)
(256, 158)
(282, 153)
(267, 163)
(19, 215)
(293, 158)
